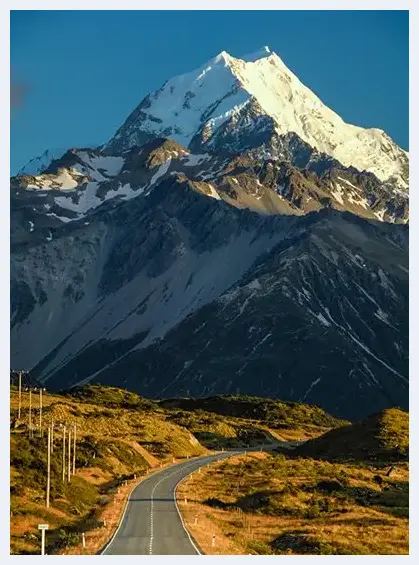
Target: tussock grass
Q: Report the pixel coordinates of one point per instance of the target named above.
(381, 437)
(120, 434)
(281, 504)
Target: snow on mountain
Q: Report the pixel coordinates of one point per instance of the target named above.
(269, 244)
(83, 181)
(202, 101)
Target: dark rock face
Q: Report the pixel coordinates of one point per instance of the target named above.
(180, 292)
(316, 319)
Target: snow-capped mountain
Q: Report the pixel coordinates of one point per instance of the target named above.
(86, 180)
(228, 103)
(252, 249)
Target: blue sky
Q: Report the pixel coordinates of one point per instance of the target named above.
(84, 72)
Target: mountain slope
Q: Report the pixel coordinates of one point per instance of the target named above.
(105, 278)
(248, 260)
(322, 318)
(257, 98)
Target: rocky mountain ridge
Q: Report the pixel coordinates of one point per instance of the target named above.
(246, 251)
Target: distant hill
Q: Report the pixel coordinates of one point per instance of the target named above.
(383, 436)
(274, 413)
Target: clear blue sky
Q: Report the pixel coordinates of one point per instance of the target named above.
(85, 71)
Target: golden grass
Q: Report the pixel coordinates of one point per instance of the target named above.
(153, 438)
(350, 527)
(114, 419)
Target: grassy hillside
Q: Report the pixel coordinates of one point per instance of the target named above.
(277, 415)
(119, 435)
(275, 504)
(381, 437)
(344, 492)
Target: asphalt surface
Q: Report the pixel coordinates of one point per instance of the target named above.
(151, 524)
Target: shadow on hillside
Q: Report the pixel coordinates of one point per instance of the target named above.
(362, 522)
(392, 499)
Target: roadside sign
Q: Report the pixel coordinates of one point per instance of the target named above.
(43, 527)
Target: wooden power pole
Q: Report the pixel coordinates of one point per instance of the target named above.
(74, 451)
(20, 395)
(30, 414)
(40, 411)
(49, 466)
(64, 454)
(52, 436)
(69, 456)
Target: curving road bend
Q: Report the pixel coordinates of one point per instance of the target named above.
(151, 524)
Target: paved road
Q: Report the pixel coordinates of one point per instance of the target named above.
(151, 524)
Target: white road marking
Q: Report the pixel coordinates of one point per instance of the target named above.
(150, 545)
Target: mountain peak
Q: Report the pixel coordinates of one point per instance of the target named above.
(233, 104)
(261, 53)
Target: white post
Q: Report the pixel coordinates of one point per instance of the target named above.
(196, 520)
(64, 454)
(74, 451)
(69, 456)
(49, 466)
(43, 527)
(20, 394)
(213, 540)
(40, 411)
(83, 537)
(43, 542)
(186, 500)
(52, 436)
(30, 414)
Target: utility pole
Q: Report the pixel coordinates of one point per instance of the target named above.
(30, 414)
(69, 456)
(52, 436)
(20, 394)
(64, 454)
(49, 466)
(40, 411)
(74, 450)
